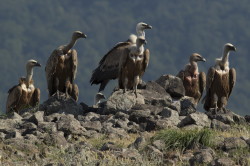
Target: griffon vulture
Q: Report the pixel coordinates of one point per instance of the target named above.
(108, 67)
(193, 81)
(61, 68)
(220, 82)
(24, 94)
(133, 64)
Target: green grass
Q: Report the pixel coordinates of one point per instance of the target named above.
(184, 139)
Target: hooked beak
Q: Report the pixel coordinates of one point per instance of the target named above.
(203, 59)
(84, 36)
(148, 27)
(234, 49)
(38, 64)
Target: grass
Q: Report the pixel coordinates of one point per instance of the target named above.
(181, 139)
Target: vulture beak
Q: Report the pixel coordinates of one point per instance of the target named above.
(38, 64)
(203, 59)
(234, 49)
(84, 36)
(148, 27)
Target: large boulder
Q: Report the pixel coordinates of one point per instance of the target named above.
(173, 85)
(120, 101)
(61, 104)
(197, 118)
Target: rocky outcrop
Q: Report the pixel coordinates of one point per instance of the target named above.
(61, 122)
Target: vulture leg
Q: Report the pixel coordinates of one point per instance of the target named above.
(222, 102)
(57, 87)
(125, 85)
(75, 92)
(35, 98)
(68, 90)
(136, 82)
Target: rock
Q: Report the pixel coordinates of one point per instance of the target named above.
(156, 99)
(61, 105)
(224, 162)
(173, 85)
(234, 143)
(139, 116)
(110, 146)
(228, 118)
(120, 101)
(154, 153)
(91, 116)
(37, 117)
(215, 124)
(201, 157)
(187, 106)
(28, 128)
(15, 116)
(13, 134)
(121, 115)
(153, 86)
(159, 144)
(112, 132)
(69, 125)
(55, 139)
(247, 118)
(138, 144)
(248, 142)
(131, 154)
(154, 110)
(197, 118)
(176, 105)
(47, 127)
(169, 113)
(94, 125)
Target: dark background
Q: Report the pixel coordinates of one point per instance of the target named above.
(32, 29)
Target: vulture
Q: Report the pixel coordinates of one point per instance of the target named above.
(61, 68)
(193, 81)
(220, 82)
(108, 67)
(133, 64)
(24, 94)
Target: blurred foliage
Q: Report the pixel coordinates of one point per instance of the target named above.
(32, 29)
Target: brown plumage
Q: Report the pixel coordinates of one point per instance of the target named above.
(133, 64)
(24, 94)
(109, 65)
(193, 81)
(220, 81)
(61, 68)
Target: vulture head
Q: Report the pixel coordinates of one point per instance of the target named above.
(229, 47)
(32, 63)
(78, 34)
(140, 27)
(197, 57)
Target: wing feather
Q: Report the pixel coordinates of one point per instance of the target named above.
(146, 59)
(74, 62)
(50, 68)
(109, 65)
(202, 83)
(232, 80)
(13, 99)
(122, 63)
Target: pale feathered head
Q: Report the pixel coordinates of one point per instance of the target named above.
(197, 57)
(140, 27)
(229, 47)
(78, 34)
(32, 63)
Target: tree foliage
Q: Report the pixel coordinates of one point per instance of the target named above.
(32, 29)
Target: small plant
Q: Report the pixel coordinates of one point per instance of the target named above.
(185, 139)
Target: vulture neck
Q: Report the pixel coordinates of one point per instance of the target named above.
(140, 33)
(194, 65)
(225, 56)
(140, 48)
(29, 75)
(70, 45)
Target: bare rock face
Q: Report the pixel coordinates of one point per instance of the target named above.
(120, 101)
(173, 85)
(234, 143)
(197, 118)
(61, 104)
